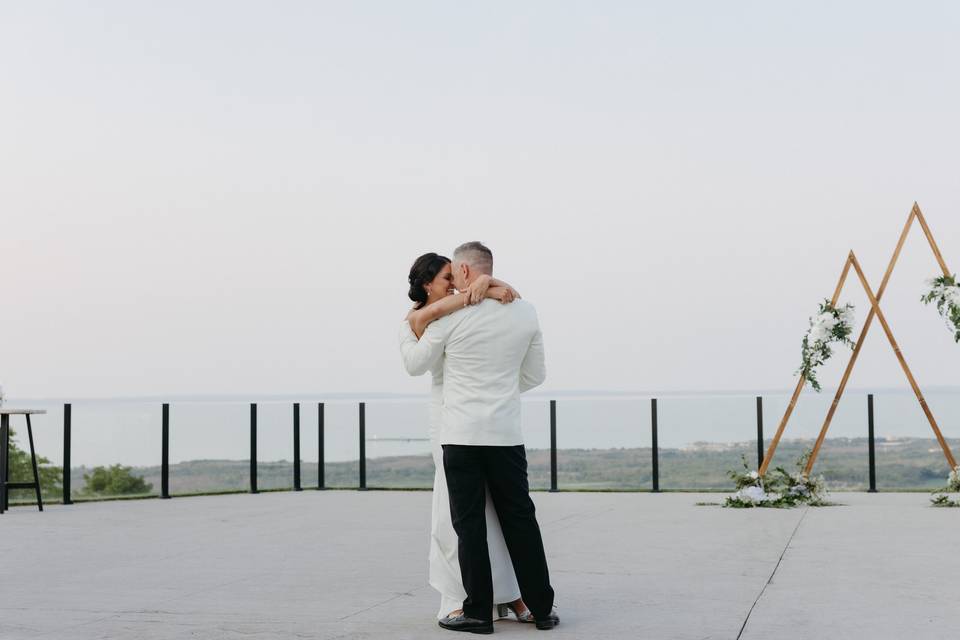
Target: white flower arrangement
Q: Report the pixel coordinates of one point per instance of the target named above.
(753, 495)
(953, 486)
(750, 490)
(831, 324)
(801, 489)
(945, 292)
(779, 490)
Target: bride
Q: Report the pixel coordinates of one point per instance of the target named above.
(431, 289)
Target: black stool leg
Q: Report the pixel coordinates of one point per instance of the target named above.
(33, 459)
(4, 450)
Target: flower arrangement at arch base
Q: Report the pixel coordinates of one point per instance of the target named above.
(779, 489)
(941, 499)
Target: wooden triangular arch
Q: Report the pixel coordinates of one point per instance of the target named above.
(915, 214)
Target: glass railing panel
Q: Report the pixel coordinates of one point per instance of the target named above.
(535, 424)
(909, 456)
(209, 447)
(342, 444)
(309, 444)
(115, 449)
(274, 445)
(843, 456)
(398, 444)
(702, 438)
(603, 443)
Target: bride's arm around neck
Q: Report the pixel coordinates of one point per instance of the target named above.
(482, 288)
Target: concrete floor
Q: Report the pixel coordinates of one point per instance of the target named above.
(343, 564)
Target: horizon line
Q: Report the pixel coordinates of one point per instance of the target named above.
(386, 395)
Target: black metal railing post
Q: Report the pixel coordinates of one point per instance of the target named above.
(654, 446)
(67, 419)
(253, 447)
(4, 462)
(363, 446)
(871, 445)
(320, 470)
(165, 453)
(296, 447)
(553, 446)
(759, 431)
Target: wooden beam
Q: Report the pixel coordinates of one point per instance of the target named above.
(859, 344)
(933, 243)
(915, 213)
(772, 449)
(903, 363)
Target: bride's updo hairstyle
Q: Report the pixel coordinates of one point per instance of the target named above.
(424, 270)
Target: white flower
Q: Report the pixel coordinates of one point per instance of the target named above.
(825, 321)
(817, 335)
(953, 481)
(754, 475)
(753, 494)
(952, 296)
(847, 316)
(821, 327)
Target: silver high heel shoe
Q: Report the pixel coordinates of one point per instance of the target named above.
(503, 611)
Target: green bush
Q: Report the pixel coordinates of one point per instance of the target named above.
(115, 480)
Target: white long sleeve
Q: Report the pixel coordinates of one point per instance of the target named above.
(419, 356)
(533, 371)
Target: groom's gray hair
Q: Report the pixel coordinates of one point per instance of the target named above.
(475, 254)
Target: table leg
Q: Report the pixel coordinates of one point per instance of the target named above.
(4, 444)
(33, 459)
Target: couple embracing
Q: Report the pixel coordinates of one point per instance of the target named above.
(483, 348)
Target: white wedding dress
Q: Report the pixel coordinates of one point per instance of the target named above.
(444, 563)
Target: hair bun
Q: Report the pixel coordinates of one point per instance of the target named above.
(424, 270)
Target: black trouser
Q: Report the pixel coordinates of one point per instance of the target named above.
(469, 471)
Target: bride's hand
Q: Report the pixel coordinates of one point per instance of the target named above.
(506, 295)
(478, 289)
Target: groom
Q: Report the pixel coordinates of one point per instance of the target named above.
(491, 353)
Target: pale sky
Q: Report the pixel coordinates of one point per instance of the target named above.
(226, 197)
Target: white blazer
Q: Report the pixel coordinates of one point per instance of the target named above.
(491, 353)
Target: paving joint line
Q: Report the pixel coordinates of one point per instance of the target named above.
(773, 573)
(380, 604)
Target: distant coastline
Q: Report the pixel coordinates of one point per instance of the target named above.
(902, 464)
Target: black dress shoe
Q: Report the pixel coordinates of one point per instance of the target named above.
(549, 622)
(464, 623)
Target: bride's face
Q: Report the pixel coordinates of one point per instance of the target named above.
(441, 286)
